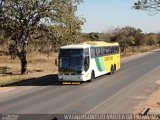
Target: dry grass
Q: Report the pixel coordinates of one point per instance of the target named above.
(137, 51)
(39, 65)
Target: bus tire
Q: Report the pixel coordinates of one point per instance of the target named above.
(112, 70)
(115, 67)
(92, 76)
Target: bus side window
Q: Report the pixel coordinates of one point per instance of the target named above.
(86, 52)
(115, 50)
(86, 63)
(110, 50)
(93, 52)
(104, 51)
(107, 50)
(118, 49)
(96, 52)
(99, 51)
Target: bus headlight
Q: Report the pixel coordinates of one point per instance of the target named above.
(60, 78)
(83, 73)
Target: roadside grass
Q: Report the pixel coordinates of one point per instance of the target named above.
(41, 65)
(138, 51)
(38, 65)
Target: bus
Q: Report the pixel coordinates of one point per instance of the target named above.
(88, 60)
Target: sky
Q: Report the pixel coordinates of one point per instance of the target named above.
(105, 15)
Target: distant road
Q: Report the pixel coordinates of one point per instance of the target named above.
(118, 93)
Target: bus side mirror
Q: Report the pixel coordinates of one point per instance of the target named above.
(57, 62)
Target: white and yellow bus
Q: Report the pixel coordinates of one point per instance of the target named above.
(86, 61)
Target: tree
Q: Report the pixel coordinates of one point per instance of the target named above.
(23, 21)
(158, 40)
(128, 37)
(132, 43)
(93, 36)
(124, 43)
(139, 39)
(151, 42)
(153, 6)
(152, 38)
(2, 41)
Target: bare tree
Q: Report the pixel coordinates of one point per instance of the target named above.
(153, 6)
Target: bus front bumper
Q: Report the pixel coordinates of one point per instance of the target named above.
(72, 78)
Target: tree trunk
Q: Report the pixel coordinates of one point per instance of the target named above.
(125, 50)
(22, 57)
(122, 49)
(133, 49)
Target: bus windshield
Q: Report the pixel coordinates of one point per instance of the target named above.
(73, 59)
(71, 52)
(74, 64)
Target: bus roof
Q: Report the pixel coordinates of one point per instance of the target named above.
(75, 46)
(89, 44)
(101, 43)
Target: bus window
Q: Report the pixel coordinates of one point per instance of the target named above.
(115, 50)
(110, 50)
(107, 50)
(99, 51)
(86, 52)
(102, 51)
(96, 50)
(93, 52)
(86, 63)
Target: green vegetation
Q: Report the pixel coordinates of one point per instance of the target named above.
(128, 38)
(48, 23)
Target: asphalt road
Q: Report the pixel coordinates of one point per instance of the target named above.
(118, 93)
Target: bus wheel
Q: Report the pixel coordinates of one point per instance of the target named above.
(112, 70)
(115, 67)
(92, 76)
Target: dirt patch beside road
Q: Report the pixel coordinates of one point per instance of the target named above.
(153, 101)
(6, 89)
